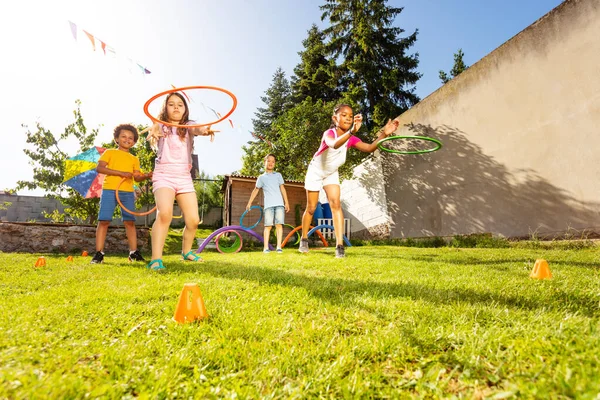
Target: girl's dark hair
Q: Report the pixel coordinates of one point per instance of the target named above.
(270, 155)
(336, 109)
(184, 119)
(126, 127)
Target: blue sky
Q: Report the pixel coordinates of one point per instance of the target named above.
(234, 44)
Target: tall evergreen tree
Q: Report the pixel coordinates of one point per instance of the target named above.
(317, 75)
(277, 99)
(375, 59)
(458, 67)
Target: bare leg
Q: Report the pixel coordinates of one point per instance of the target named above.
(189, 207)
(279, 230)
(101, 231)
(164, 202)
(312, 198)
(266, 236)
(131, 234)
(333, 195)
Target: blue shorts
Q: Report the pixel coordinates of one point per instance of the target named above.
(274, 215)
(108, 202)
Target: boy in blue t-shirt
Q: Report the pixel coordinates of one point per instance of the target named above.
(276, 201)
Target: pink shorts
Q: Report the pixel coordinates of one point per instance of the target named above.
(177, 177)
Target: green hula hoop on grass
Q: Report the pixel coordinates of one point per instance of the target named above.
(233, 248)
(425, 138)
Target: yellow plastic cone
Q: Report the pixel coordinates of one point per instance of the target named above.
(191, 305)
(40, 262)
(541, 270)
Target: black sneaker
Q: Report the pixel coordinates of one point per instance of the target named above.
(340, 252)
(303, 246)
(98, 258)
(136, 256)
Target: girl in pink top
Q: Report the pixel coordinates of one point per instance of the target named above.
(323, 169)
(172, 179)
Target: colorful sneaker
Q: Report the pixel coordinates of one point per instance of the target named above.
(279, 251)
(266, 251)
(135, 256)
(340, 252)
(98, 258)
(303, 246)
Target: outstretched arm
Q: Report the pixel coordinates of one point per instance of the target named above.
(203, 131)
(384, 132)
(139, 176)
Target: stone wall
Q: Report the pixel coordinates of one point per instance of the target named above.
(29, 209)
(65, 238)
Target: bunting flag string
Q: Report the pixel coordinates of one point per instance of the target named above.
(256, 136)
(106, 49)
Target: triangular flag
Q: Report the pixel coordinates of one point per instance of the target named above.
(111, 51)
(91, 37)
(103, 46)
(73, 30)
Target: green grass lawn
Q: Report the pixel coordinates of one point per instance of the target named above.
(383, 322)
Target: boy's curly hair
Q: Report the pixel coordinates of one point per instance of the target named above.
(127, 127)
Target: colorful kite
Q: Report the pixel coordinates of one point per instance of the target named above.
(81, 175)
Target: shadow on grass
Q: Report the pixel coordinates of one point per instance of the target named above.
(344, 291)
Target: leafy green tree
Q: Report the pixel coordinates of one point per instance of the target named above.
(374, 57)
(317, 75)
(299, 131)
(48, 161)
(458, 67)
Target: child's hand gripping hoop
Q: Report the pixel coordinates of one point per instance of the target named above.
(424, 138)
(139, 214)
(190, 88)
(246, 212)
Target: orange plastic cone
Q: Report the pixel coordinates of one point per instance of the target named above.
(84, 254)
(70, 259)
(40, 262)
(541, 270)
(191, 305)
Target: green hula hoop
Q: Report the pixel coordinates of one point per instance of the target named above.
(428, 139)
(233, 248)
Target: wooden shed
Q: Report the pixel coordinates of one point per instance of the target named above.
(237, 190)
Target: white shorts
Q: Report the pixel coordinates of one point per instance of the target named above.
(316, 178)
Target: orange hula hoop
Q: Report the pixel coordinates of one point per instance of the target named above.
(158, 121)
(138, 214)
(296, 229)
